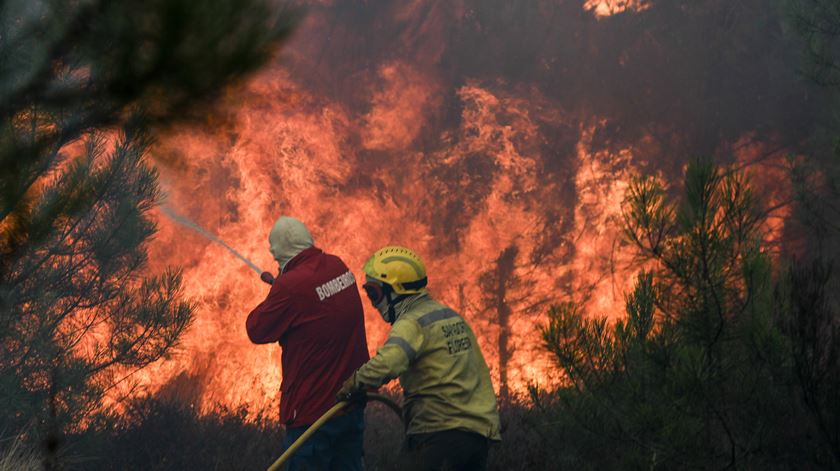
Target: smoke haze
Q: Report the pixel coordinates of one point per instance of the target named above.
(495, 138)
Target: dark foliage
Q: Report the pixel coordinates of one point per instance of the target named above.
(715, 365)
(75, 305)
(807, 310)
(817, 22)
(158, 434)
(82, 84)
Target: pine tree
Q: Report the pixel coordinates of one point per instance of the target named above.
(817, 22)
(497, 284)
(82, 86)
(807, 308)
(696, 374)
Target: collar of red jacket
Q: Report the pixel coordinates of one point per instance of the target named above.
(301, 257)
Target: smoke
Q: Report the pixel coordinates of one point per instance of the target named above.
(692, 75)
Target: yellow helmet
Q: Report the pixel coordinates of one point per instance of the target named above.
(399, 267)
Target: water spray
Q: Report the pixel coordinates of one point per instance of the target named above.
(187, 222)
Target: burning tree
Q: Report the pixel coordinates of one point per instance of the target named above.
(497, 284)
(78, 310)
(508, 298)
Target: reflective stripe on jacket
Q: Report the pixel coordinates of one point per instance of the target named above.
(445, 379)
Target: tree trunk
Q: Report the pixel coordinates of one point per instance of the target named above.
(504, 277)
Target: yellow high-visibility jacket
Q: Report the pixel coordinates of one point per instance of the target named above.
(445, 379)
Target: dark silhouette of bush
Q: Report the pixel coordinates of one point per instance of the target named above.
(724, 358)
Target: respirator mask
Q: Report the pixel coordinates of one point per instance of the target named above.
(381, 295)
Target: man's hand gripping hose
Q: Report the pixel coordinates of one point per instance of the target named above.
(267, 277)
(327, 416)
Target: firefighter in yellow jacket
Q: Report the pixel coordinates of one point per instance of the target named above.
(450, 407)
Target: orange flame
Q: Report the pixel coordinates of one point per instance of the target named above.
(602, 8)
(298, 157)
(389, 166)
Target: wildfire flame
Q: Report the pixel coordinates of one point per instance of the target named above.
(465, 172)
(603, 8)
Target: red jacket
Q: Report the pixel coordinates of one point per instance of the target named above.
(314, 311)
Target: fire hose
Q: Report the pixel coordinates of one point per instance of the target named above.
(323, 419)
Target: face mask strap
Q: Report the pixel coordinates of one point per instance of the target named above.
(392, 302)
(392, 315)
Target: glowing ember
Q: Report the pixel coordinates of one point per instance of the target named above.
(603, 8)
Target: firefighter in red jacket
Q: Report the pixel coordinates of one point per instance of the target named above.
(314, 311)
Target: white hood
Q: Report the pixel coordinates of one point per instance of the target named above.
(288, 238)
